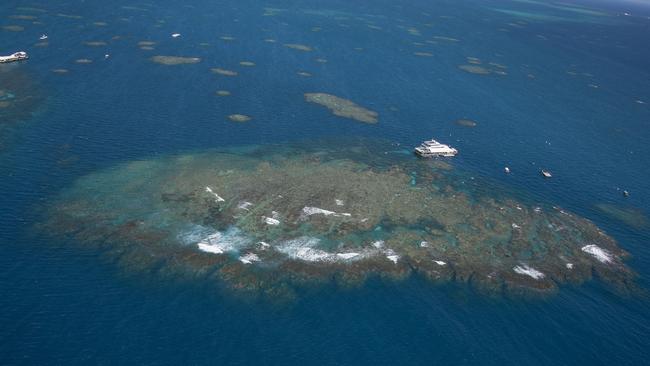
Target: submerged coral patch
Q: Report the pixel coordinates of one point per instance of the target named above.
(299, 47)
(95, 43)
(224, 72)
(474, 69)
(466, 123)
(239, 118)
(343, 107)
(13, 28)
(175, 60)
(23, 17)
(628, 215)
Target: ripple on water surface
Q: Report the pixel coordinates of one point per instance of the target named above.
(20, 96)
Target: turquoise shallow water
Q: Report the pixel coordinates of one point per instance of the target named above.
(575, 100)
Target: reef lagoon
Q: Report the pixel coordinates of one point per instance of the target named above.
(234, 183)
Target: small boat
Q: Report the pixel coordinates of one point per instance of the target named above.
(18, 56)
(43, 37)
(546, 173)
(507, 170)
(176, 35)
(626, 194)
(433, 148)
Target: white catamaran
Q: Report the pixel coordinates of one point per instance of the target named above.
(433, 148)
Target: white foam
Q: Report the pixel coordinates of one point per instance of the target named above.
(271, 221)
(306, 249)
(194, 234)
(524, 269)
(313, 255)
(391, 255)
(424, 244)
(264, 245)
(440, 263)
(378, 244)
(569, 265)
(214, 249)
(303, 248)
(347, 255)
(231, 240)
(515, 226)
(599, 253)
(393, 258)
(249, 258)
(308, 211)
(217, 198)
(244, 205)
(339, 202)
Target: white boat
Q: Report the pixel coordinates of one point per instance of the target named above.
(43, 37)
(507, 170)
(14, 57)
(433, 148)
(546, 173)
(176, 35)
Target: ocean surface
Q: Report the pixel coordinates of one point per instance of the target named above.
(568, 90)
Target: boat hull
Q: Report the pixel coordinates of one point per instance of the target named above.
(434, 155)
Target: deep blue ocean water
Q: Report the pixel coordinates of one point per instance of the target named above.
(575, 100)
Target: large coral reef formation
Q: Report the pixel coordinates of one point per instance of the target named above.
(273, 218)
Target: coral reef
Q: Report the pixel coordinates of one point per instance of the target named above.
(175, 60)
(273, 218)
(343, 107)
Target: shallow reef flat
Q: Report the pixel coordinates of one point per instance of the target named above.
(175, 60)
(343, 107)
(271, 219)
